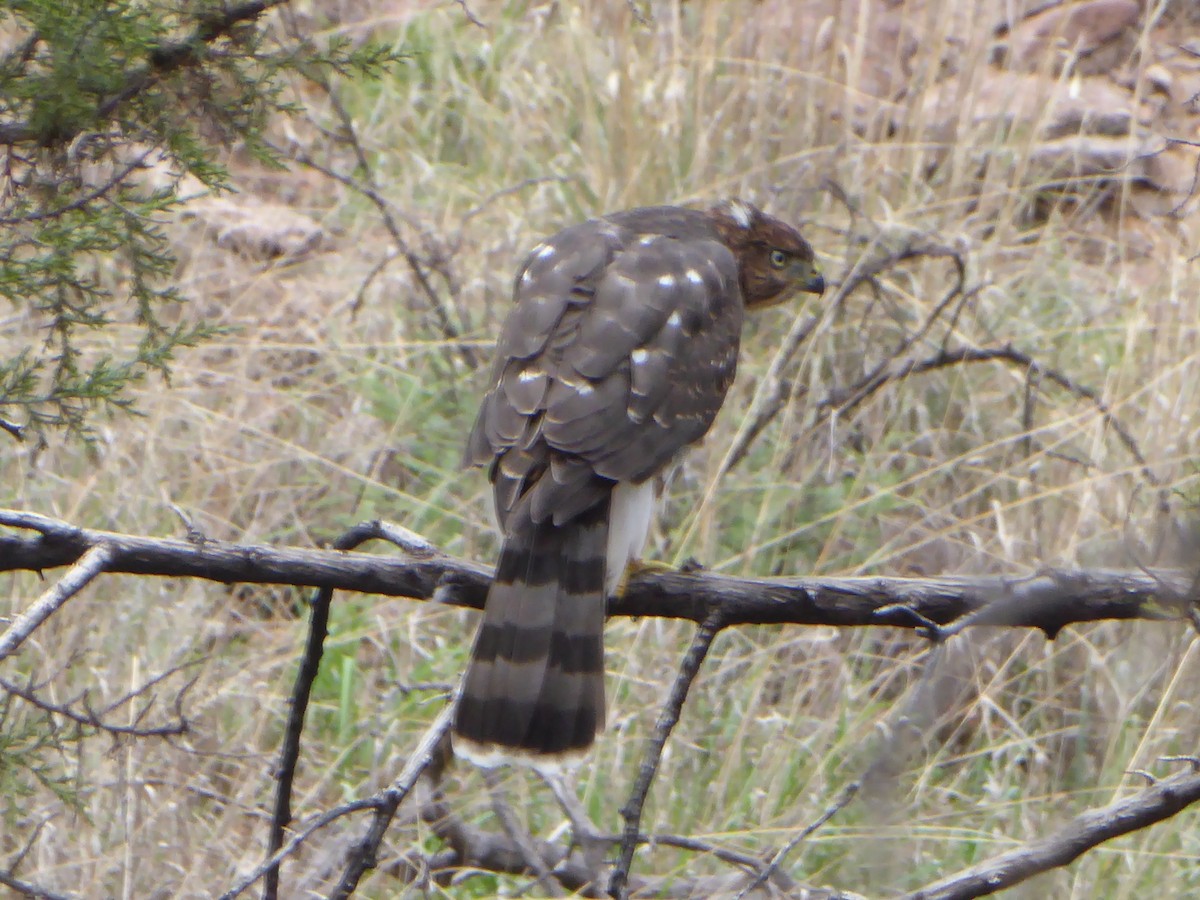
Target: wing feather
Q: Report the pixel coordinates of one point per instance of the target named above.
(618, 355)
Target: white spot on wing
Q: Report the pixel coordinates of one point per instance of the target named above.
(639, 356)
(647, 239)
(673, 320)
(545, 251)
(584, 389)
(694, 277)
(528, 375)
(526, 277)
(666, 281)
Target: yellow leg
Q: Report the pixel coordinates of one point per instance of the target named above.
(637, 567)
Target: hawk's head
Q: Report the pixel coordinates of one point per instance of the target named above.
(774, 260)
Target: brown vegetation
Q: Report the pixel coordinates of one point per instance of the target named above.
(1004, 381)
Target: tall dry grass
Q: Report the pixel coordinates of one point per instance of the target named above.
(335, 398)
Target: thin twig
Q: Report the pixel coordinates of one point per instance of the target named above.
(415, 264)
(26, 889)
(1011, 355)
(518, 835)
(365, 854)
(384, 805)
(298, 839)
(471, 17)
(631, 812)
(773, 866)
(91, 718)
(91, 564)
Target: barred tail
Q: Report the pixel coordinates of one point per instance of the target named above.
(534, 689)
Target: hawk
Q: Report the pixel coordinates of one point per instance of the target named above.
(616, 356)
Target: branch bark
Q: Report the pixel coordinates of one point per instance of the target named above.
(1048, 600)
(1160, 801)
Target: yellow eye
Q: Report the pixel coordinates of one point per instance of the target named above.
(778, 259)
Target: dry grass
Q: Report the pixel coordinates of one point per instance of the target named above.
(335, 399)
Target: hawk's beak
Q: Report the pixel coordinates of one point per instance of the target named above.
(809, 280)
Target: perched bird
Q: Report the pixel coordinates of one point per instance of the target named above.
(617, 355)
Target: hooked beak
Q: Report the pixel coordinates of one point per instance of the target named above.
(808, 279)
(815, 284)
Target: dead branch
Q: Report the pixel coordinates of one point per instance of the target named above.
(772, 868)
(306, 675)
(474, 848)
(91, 563)
(80, 712)
(420, 268)
(530, 854)
(383, 804)
(430, 754)
(26, 889)
(1047, 600)
(631, 812)
(1160, 801)
(1005, 354)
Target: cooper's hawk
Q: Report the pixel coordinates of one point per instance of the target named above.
(617, 355)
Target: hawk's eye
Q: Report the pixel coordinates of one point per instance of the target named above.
(778, 259)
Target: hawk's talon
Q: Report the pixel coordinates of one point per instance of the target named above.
(638, 567)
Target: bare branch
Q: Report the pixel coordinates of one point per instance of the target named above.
(432, 748)
(417, 266)
(771, 868)
(618, 885)
(306, 675)
(90, 564)
(289, 753)
(522, 840)
(384, 805)
(91, 718)
(1007, 354)
(471, 17)
(1048, 600)
(25, 889)
(1158, 802)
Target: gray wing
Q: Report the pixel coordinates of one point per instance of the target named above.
(618, 354)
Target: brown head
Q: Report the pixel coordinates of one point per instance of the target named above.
(774, 260)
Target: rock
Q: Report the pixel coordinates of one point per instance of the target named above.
(1092, 155)
(254, 229)
(1075, 31)
(1017, 99)
(1175, 170)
